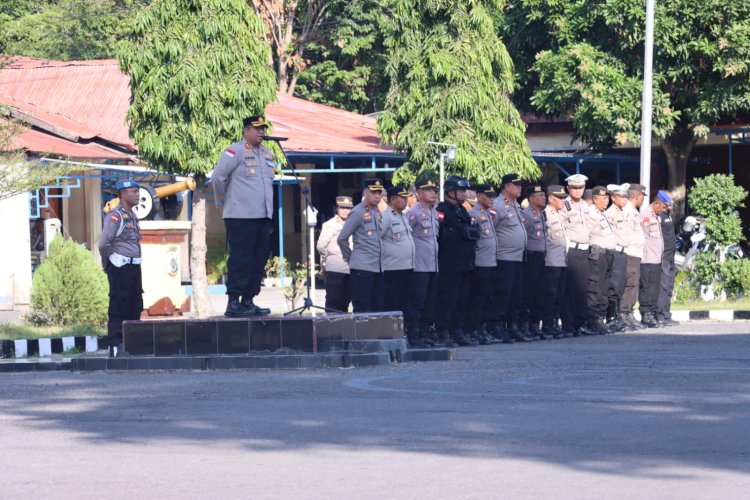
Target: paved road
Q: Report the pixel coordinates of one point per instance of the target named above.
(662, 415)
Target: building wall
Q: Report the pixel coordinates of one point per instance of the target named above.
(15, 257)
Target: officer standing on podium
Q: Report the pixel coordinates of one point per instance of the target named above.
(243, 188)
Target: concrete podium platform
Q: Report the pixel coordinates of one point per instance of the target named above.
(231, 336)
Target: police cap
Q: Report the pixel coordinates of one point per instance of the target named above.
(344, 201)
(485, 189)
(373, 184)
(557, 191)
(399, 191)
(512, 178)
(426, 184)
(254, 121)
(576, 180)
(533, 189)
(599, 191)
(126, 183)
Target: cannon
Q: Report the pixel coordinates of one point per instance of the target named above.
(161, 203)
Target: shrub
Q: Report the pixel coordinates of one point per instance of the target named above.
(734, 277)
(216, 262)
(685, 288)
(37, 318)
(69, 286)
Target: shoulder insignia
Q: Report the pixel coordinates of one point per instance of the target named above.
(440, 215)
(412, 216)
(230, 153)
(367, 215)
(493, 213)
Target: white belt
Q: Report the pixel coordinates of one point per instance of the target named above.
(579, 246)
(620, 249)
(120, 260)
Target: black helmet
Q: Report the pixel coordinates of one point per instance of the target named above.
(455, 182)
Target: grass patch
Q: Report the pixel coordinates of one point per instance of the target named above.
(712, 305)
(15, 331)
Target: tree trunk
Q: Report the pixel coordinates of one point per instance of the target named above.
(201, 302)
(677, 147)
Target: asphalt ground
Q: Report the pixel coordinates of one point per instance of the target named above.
(662, 414)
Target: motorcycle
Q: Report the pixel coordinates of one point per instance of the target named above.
(691, 241)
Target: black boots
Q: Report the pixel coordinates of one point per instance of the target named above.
(259, 311)
(236, 309)
(649, 320)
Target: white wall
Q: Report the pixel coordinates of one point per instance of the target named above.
(15, 252)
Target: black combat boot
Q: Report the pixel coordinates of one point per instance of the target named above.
(259, 311)
(649, 320)
(459, 337)
(535, 332)
(548, 332)
(235, 309)
(501, 334)
(516, 333)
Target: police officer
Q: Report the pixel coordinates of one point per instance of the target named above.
(365, 257)
(575, 313)
(398, 252)
(653, 250)
(485, 264)
(619, 217)
(423, 219)
(335, 269)
(457, 238)
(555, 261)
(243, 188)
(668, 267)
(601, 259)
(533, 269)
(511, 250)
(636, 195)
(120, 250)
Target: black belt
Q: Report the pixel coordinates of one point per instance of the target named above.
(535, 252)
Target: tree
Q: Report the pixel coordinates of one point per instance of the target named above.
(65, 29)
(345, 66)
(291, 26)
(450, 81)
(584, 60)
(197, 68)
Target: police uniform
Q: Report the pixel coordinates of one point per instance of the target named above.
(620, 220)
(511, 248)
(575, 313)
(365, 257)
(398, 253)
(668, 267)
(243, 188)
(601, 261)
(533, 269)
(457, 239)
(650, 280)
(120, 250)
(485, 264)
(420, 312)
(337, 270)
(555, 264)
(634, 256)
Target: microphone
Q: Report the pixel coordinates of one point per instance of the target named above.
(274, 138)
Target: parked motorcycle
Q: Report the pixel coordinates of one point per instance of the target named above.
(691, 241)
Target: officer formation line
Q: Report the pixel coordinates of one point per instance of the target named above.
(563, 266)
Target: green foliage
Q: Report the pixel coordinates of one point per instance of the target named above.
(706, 268)
(734, 278)
(65, 29)
(37, 318)
(346, 64)
(216, 262)
(18, 331)
(298, 283)
(717, 198)
(685, 288)
(450, 81)
(197, 68)
(276, 266)
(584, 59)
(69, 286)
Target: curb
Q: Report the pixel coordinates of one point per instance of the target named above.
(715, 314)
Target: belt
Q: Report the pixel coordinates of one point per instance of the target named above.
(579, 246)
(620, 249)
(120, 260)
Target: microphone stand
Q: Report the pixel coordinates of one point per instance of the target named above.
(312, 216)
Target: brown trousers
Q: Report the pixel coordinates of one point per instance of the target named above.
(632, 282)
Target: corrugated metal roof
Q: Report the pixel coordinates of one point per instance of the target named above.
(89, 100)
(43, 144)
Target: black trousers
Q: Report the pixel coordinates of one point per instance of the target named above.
(533, 290)
(630, 295)
(368, 291)
(575, 289)
(452, 297)
(508, 291)
(617, 285)
(480, 303)
(338, 294)
(650, 284)
(397, 289)
(599, 281)
(554, 279)
(249, 244)
(668, 273)
(420, 307)
(125, 299)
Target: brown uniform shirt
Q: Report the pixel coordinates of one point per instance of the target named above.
(576, 225)
(121, 234)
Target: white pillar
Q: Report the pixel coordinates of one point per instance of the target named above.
(647, 101)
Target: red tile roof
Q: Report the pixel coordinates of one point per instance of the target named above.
(87, 101)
